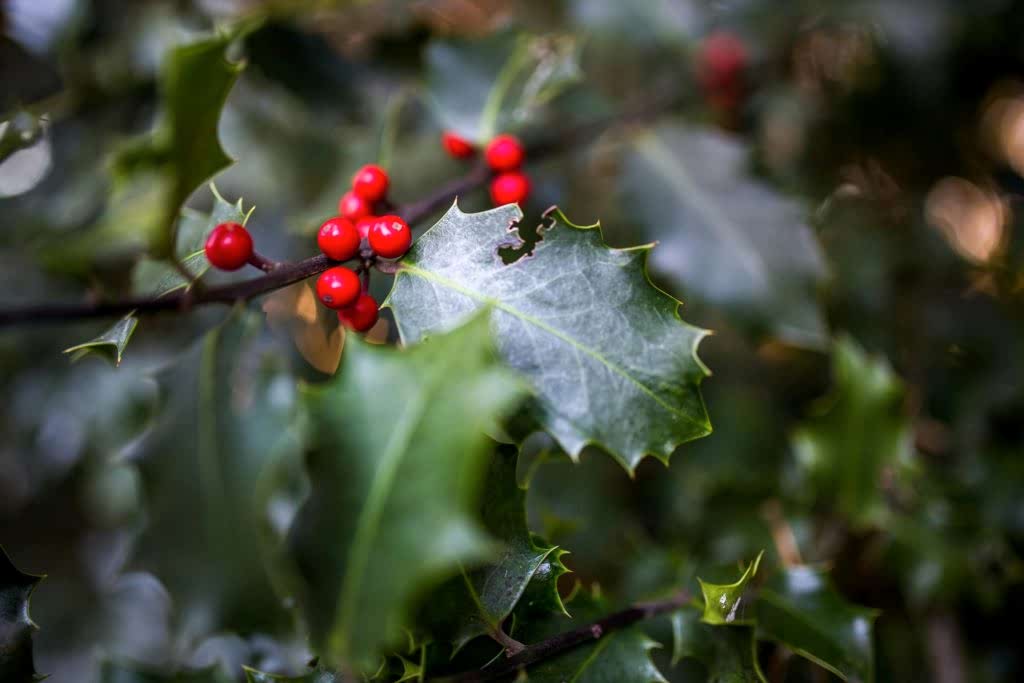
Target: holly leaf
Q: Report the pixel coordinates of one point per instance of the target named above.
(121, 673)
(729, 653)
(801, 609)
(729, 603)
(155, 174)
(16, 661)
(318, 675)
(480, 599)
(618, 656)
(859, 436)
(109, 344)
(226, 425)
(725, 237)
(608, 356)
(20, 131)
(389, 432)
(480, 87)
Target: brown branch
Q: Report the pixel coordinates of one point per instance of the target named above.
(556, 645)
(280, 275)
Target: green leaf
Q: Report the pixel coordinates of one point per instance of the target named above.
(609, 358)
(724, 236)
(480, 599)
(226, 427)
(121, 673)
(729, 603)
(154, 175)
(319, 675)
(859, 435)
(396, 460)
(482, 87)
(109, 344)
(729, 653)
(618, 656)
(801, 609)
(16, 627)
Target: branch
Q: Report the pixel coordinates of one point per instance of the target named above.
(556, 645)
(280, 275)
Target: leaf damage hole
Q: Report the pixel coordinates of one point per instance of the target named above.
(522, 240)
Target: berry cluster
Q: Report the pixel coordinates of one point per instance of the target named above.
(504, 155)
(358, 232)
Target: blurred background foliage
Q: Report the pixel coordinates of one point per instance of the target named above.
(846, 222)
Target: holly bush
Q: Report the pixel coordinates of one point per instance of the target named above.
(579, 340)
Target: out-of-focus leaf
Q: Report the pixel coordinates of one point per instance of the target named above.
(227, 422)
(20, 131)
(313, 328)
(729, 603)
(479, 88)
(317, 676)
(16, 627)
(618, 656)
(610, 359)
(724, 236)
(728, 652)
(397, 456)
(121, 673)
(153, 176)
(478, 601)
(110, 344)
(860, 436)
(800, 609)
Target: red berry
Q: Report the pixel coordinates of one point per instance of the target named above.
(338, 239)
(390, 236)
(371, 183)
(229, 246)
(353, 207)
(363, 226)
(338, 287)
(510, 188)
(457, 146)
(721, 59)
(360, 316)
(505, 153)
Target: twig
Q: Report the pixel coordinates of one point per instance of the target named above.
(556, 645)
(280, 275)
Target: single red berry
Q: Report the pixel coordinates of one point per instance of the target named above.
(360, 316)
(371, 183)
(721, 60)
(505, 153)
(338, 239)
(338, 287)
(363, 226)
(353, 207)
(229, 246)
(510, 188)
(390, 236)
(457, 146)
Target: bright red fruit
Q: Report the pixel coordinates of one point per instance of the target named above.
(390, 236)
(363, 226)
(457, 146)
(360, 316)
(371, 183)
(353, 207)
(510, 188)
(229, 246)
(505, 153)
(338, 239)
(338, 287)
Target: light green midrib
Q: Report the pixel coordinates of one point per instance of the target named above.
(601, 645)
(369, 519)
(427, 275)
